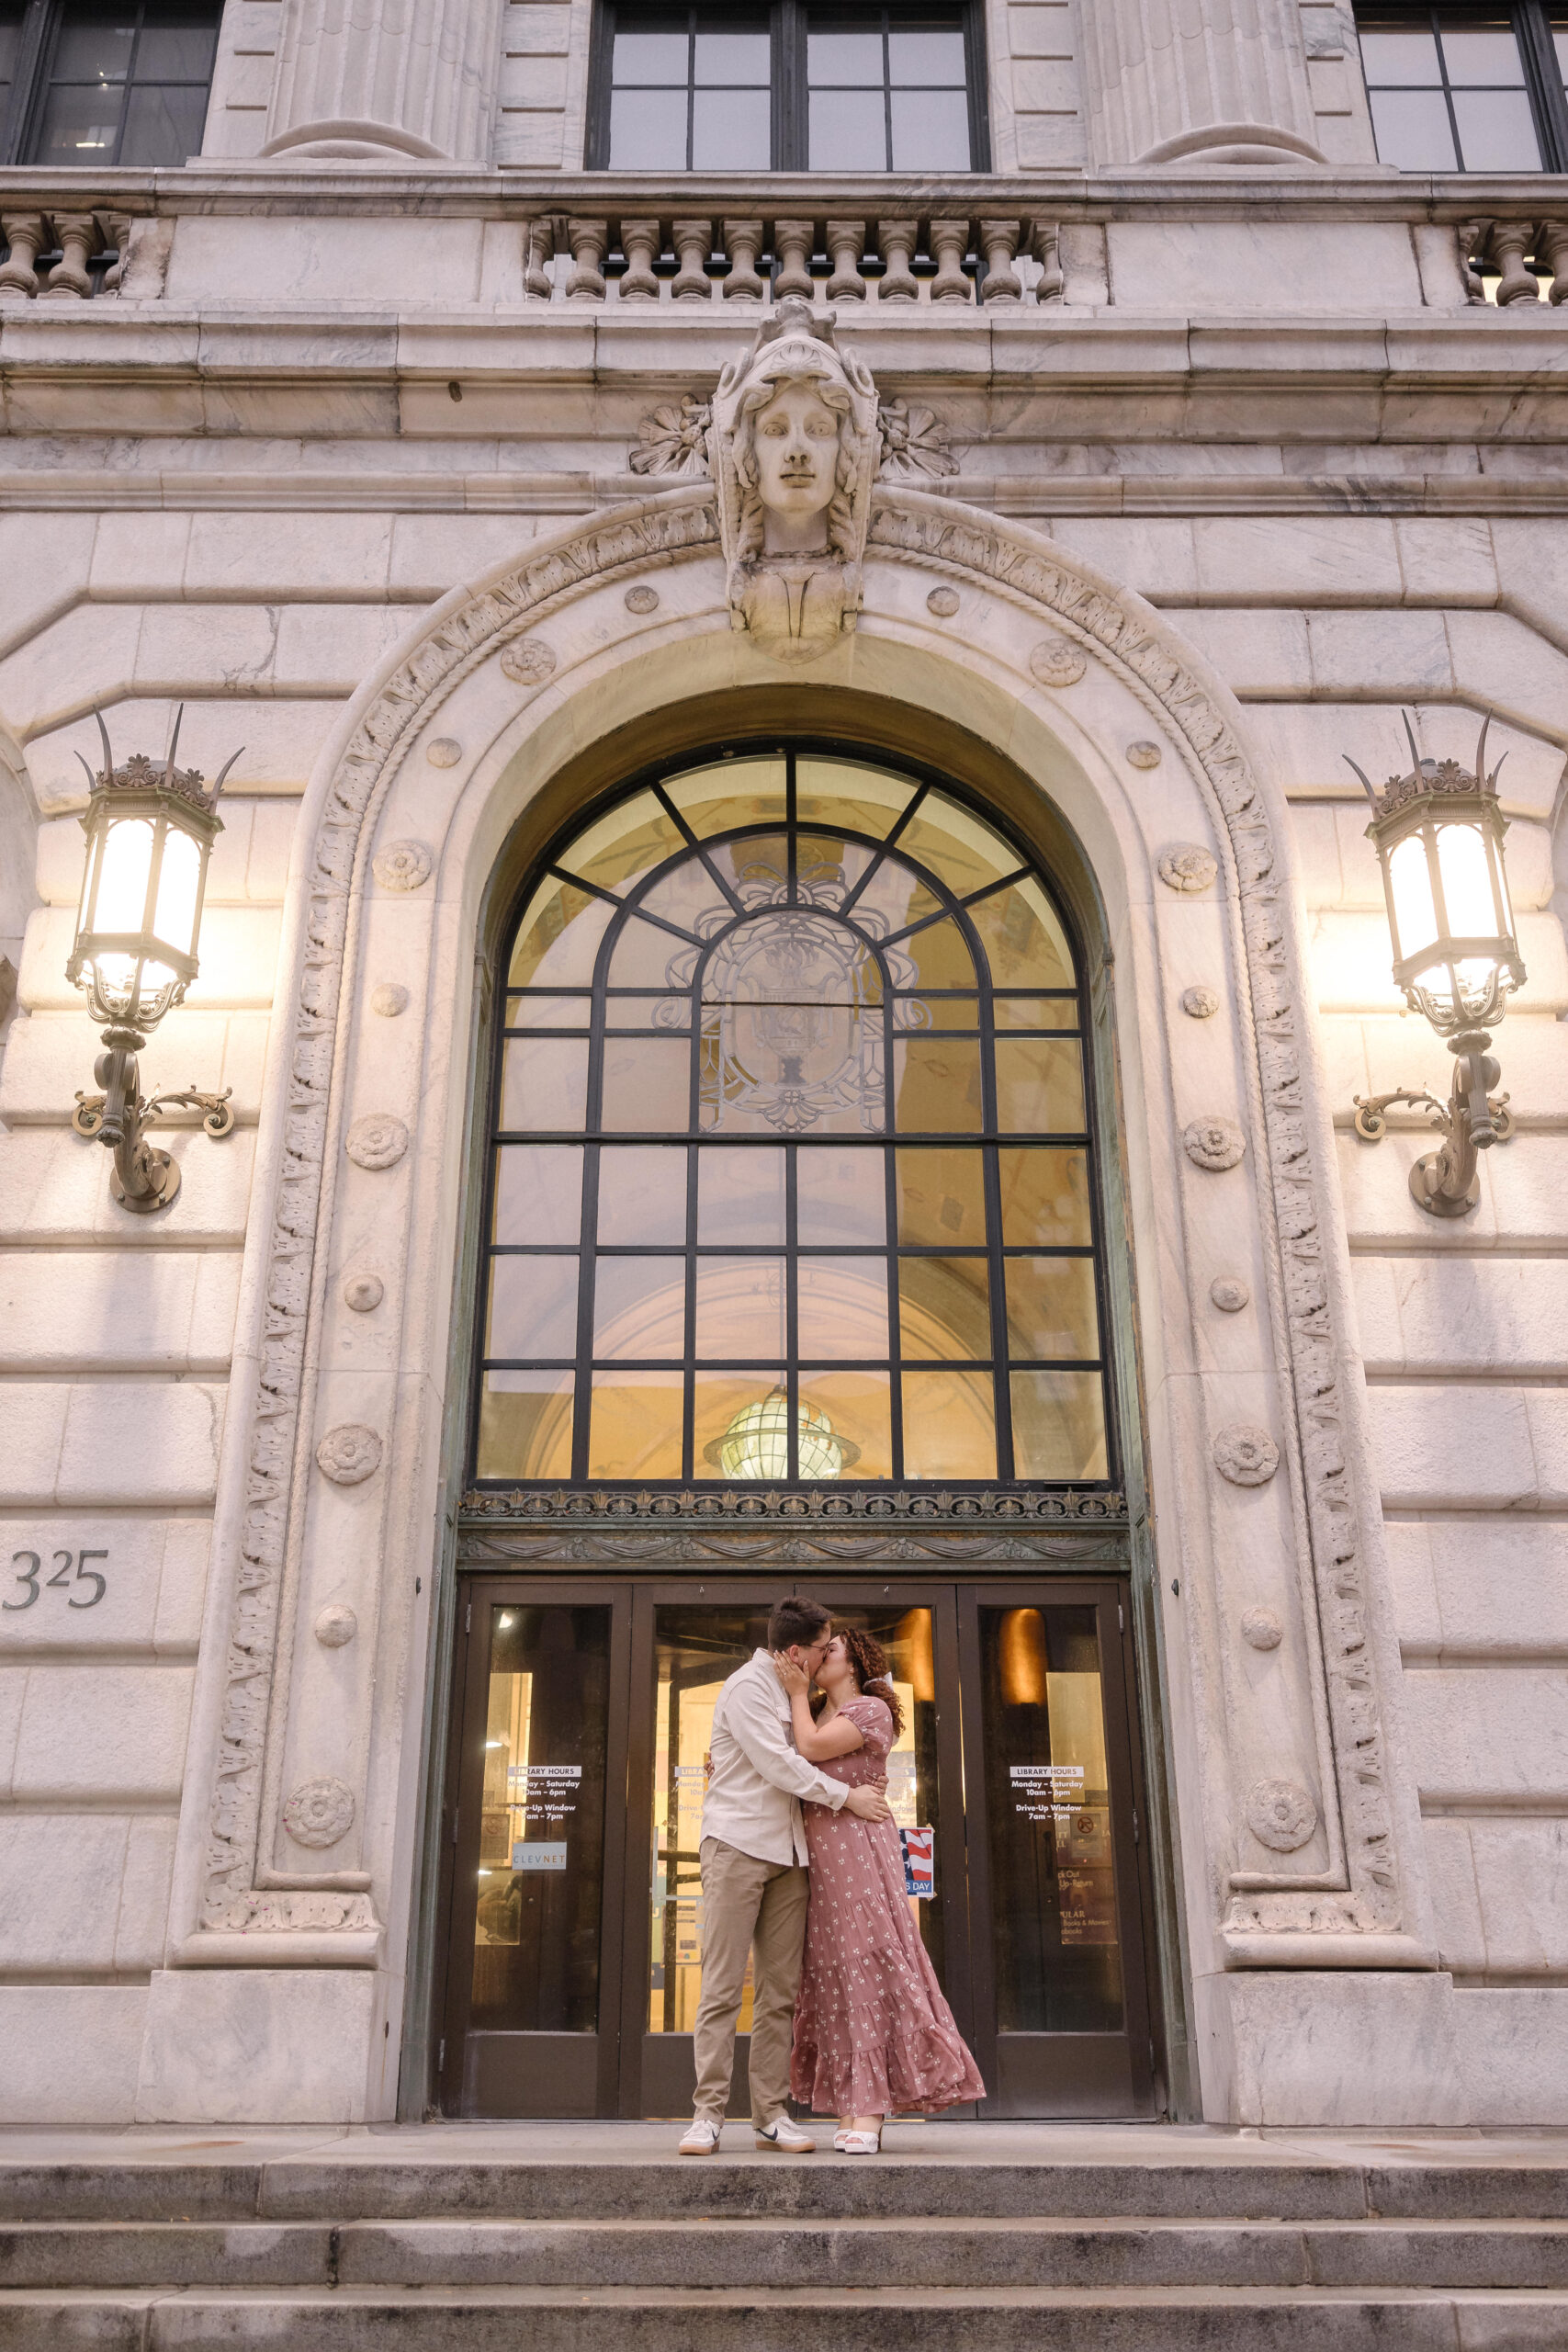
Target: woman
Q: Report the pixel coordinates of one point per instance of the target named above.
(872, 2035)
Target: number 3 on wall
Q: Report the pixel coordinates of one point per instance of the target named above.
(30, 1578)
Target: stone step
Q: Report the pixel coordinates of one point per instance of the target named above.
(350, 2187)
(880, 2254)
(1015, 2319)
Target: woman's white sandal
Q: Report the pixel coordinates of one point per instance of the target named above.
(858, 2143)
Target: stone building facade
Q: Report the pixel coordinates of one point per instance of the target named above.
(401, 434)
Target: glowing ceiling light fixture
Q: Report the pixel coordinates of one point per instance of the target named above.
(756, 1443)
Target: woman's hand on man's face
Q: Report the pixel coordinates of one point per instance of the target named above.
(794, 1677)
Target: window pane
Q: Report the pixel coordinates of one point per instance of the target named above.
(1496, 130)
(1413, 131)
(163, 127)
(842, 1308)
(79, 125)
(1559, 41)
(841, 1196)
(642, 1194)
(634, 1430)
(1050, 1308)
(847, 60)
(687, 894)
(1039, 1086)
(731, 131)
(741, 1195)
(1405, 57)
(940, 955)
(1035, 1012)
(942, 1198)
(1045, 1197)
(177, 44)
(648, 130)
(537, 1011)
(538, 1192)
(840, 792)
(650, 57)
(894, 898)
(525, 1425)
(930, 130)
(1489, 59)
(736, 792)
(558, 938)
(1059, 1425)
(858, 1405)
(944, 1308)
(94, 42)
(646, 956)
(533, 1307)
(741, 1308)
(625, 845)
(848, 132)
(962, 851)
(938, 1085)
(760, 1447)
(1023, 939)
(950, 1429)
(734, 59)
(925, 57)
(647, 1084)
(640, 1307)
(544, 1084)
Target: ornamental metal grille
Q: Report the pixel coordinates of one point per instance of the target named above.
(790, 1158)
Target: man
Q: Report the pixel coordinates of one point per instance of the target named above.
(754, 1888)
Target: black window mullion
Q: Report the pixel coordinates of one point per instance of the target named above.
(787, 27)
(689, 1398)
(1543, 79)
(886, 93)
(586, 1271)
(791, 1314)
(895, 1330)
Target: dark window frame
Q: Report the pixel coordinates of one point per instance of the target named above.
(789, 112)
(555, 862)
(1531, 22)
(42, 22)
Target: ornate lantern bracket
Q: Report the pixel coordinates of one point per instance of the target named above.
(150, 834)
(1439, 836)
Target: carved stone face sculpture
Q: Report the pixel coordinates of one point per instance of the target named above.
(794, 444)
(793, 447)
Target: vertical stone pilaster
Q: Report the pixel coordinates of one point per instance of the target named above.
(1221, 80)
(367, 78)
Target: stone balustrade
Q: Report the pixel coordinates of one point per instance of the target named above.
(947, 258)
(61, 256)
(1506, 251)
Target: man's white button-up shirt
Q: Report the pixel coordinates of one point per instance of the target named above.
(757, 1775)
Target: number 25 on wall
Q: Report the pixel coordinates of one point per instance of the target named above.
(63, 1560)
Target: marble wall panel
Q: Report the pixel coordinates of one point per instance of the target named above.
(1428, 1315)
(1475, 1583)
(277, 556)
(49, 1059)
(117, 1310)
(100, 1447)
(285, 2045)
(60, 1882)
(71, 2051)
(54, 1188)
(1450, 560)
(1521, 1879)
(1282, 559)
(1471, 1446)
(238, 960)
(1283, 266)
(1154, 555)
(1352, 965)
(1304, 744)
(154, 1575)
(1497, 1733)
(1511, 2048)
(1456, 1901)
(277, 738)
(32, 590)
(333, 261)
(105, 1731)
(1523, 1203)
(431, 553)
(1362, 1056)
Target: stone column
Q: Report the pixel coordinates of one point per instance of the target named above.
(361, 80)
(1200, 80)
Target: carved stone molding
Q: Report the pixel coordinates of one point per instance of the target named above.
(1187, 868)
(1057, 662)
(1280, 1815)
(349, 1455)
(1214, 1143)
(319, 1813)
(1005, 559)
(529, 662)
(1245, 1454)
(377, 1141)
(403, 865)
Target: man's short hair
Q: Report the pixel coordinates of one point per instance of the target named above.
(797, 1624)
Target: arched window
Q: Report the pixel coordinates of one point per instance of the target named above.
(791, 1156)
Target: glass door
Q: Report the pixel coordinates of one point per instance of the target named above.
(1056, 1898)
(536, 1846)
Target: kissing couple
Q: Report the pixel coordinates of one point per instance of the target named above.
(803, 1868)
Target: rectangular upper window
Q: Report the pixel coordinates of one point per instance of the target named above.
(1458, 89)
(786, 86)
(97, 83)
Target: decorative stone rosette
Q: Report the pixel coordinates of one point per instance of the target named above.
(1245, 1454)
(1057, 662)
(377, 1141)
(349, 1455)
(320, 1811)
(528, 662)
(1280, 1815)
(1214, 1143)
(402, 865)
(1187, 868)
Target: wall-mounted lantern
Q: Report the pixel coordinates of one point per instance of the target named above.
(1439, 836)
(150, 834)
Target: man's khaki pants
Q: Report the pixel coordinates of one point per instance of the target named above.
(748, 1906)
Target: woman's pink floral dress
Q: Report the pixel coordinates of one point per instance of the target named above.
(872, 2035)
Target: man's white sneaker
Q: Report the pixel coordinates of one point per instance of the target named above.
(702, 2137)
(786, 2136)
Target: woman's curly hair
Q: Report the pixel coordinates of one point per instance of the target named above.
(871, 1673)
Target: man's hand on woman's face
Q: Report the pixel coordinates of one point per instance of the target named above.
(868, 1803)
(794, 1677)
